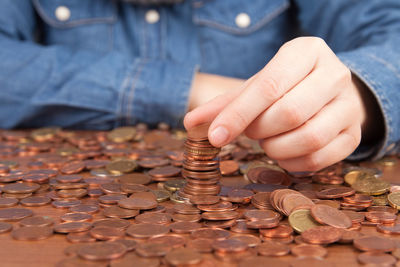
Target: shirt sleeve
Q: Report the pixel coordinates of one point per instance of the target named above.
(365, 35)
(78, 88)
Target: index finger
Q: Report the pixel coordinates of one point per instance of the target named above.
(292, 63)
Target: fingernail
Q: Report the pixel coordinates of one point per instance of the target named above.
(219, 136)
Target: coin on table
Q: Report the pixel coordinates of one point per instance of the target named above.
(250, 240)
(35, 201)
(207, 233)
(376, 258)
(330, 216)
(152, 250)
(80, 237)
(114, 223)
(76, 217)
(229, 245)
(394, 200)
(73, 167)
(107, 233)
(277, 232)
(6, 202)
(38, 220)
(5, 227)
(130, 244)
(309, 251)
(270, 248)
(155, 218)
(117, 212)
(183, 256)
(147, 230)
(121, 166)
(137, 203)
(301, 220)
(14, 214)
(72, 227)
(102, 251)
(32, 233)
(321, 235)
(184, 227)
(374, 243)
(20, 188)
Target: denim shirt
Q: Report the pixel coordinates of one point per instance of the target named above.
(99, 64)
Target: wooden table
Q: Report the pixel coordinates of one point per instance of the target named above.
(50, 251)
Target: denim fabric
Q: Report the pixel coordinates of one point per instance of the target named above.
(106, 66)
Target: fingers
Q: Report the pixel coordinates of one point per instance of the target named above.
(283, 72)
(313, 135)
(299, 104)
(341, 147)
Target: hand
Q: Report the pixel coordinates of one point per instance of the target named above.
(303, 106)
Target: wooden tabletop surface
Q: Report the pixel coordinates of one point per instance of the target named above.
(50, 251)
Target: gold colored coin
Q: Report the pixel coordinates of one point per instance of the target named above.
(370, 185)
(121, 166)
(394, 200)
(122, 134)
(301, 220)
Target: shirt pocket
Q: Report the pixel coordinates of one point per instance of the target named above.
(84, 24)
(237, 37)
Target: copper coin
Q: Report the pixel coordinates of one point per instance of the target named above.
(377, 258)
(111, 199)
(130, 258)
(128, 243)
(114, 223)
(389, 229)
(20, 188)
(374, 243)
(229, 245)
(215, 234)
(167, 171)
(170, 240)
(37, 221)
(146, 230)
(76, 217)
(202, 245)
(272, 249)
(250, 240)
(322, 235)
(35, 201)
(152, 249)
(330, 216)
(204, 200)
(32, 233)
(72, 193)
(241, 227)
(67, 203)
(88, 208)
(5, 227)
(186, 217)
(72, 227)
(255, 215)
(184, 227)
(107, 233)
(280, 231)
(73, 167)
(380, 217)
(134, 188)
(262, 224)
(355, 217)
(69, 178)
(240, 195)
(117, 212)
(220, 215)
(336, 192)
(183, 257)
(80, 237)
(220, 224)
(306, 251)
(228, 167)
(14, 214)
(137, 203)
(6, 202)
(183, 208)
(102, 251)
(156, 218)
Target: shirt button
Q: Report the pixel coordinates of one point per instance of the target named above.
(243, 20)
(152, 16)
(63, 13)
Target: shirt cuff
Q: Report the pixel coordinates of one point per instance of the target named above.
(382, 78)
(157, 91)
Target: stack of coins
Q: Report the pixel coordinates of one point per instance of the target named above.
(201, 165)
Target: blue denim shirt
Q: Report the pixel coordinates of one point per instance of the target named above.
(99, 63)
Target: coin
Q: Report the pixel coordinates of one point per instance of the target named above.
(5, 227)
(374, 243)
(37, 221)
(273, 249)
(301, 220)
(378, 258)
(14, 214)
(305, 250)
(107, 233)
(146, 230)
(102, 251)
(32, 233)
(330, 216)
(183, 256)
(322, 235)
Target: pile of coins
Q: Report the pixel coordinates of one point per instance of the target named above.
(134, 196)
(201, 165)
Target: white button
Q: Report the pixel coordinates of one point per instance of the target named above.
(63, 13)
(152, 16)
(243, 20)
